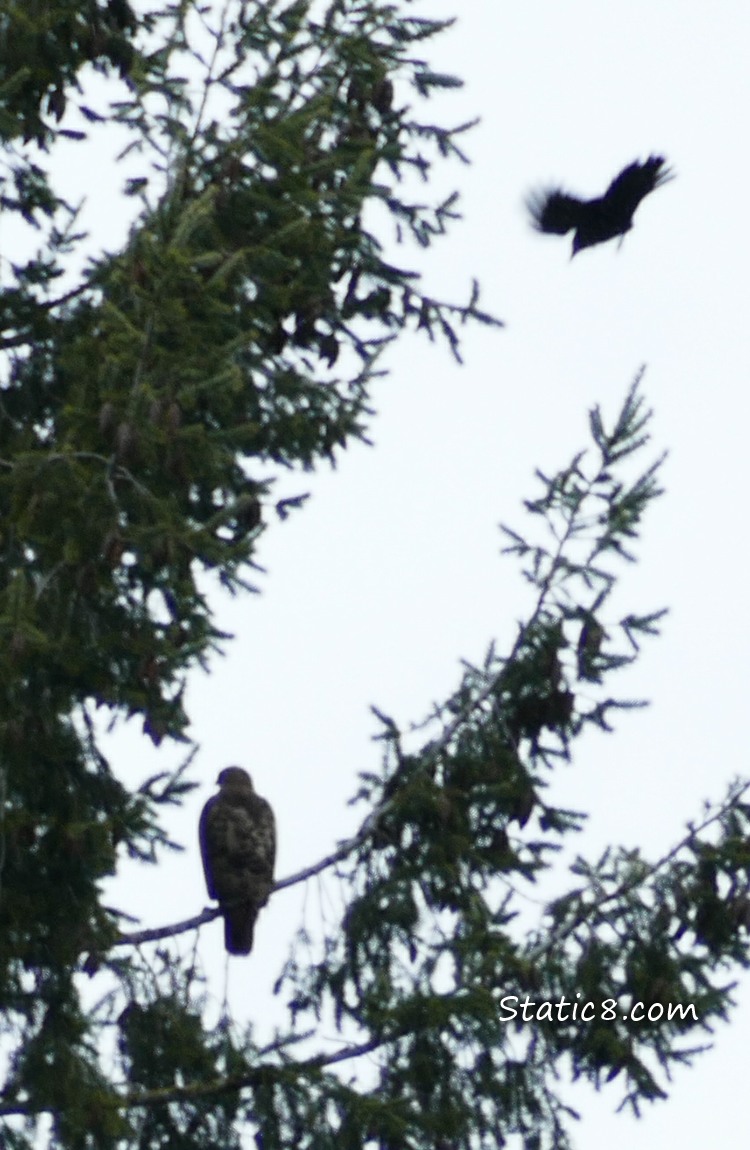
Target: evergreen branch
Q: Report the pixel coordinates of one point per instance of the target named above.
(230, 1084)
(566, 927)
(153, 934)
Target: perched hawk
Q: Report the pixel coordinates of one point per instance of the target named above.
(610, 215)
(238, 847)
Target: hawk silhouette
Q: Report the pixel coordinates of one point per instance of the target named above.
(238, 847)
(610, 215)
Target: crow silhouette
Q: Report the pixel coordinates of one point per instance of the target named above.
(610, 215)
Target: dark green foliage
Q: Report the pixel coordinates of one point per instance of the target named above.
(142, 410)
(43, 47)
(431, 962)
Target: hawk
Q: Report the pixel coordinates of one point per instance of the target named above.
(238, 847)
(610, 215)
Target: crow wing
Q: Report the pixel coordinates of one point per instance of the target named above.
(635, 182)
(555, 212)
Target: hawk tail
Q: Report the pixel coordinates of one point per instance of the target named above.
(239, 924)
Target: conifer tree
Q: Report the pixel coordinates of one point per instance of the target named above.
(143, 406)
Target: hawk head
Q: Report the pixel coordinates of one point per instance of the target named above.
(235, 777)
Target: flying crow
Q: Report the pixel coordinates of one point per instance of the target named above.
(610, 215)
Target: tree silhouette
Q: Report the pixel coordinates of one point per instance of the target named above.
(140, 410)
(601, 219)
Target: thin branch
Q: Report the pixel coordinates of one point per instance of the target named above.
(153, 934)
(348, 846)
(586, 914)
(233, 1082)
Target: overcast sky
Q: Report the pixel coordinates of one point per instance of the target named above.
(392, 573)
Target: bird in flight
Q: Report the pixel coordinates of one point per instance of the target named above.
(610, 215)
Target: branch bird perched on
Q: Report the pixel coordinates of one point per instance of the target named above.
(610, 215)
(238, 847)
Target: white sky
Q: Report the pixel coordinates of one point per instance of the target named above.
(392, 572)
